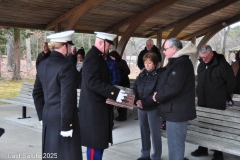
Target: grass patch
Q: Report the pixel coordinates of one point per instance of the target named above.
(11, 88)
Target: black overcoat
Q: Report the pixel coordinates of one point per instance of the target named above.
(176, 91)
(216, 83)
(145, 86)
(140, 62)
(55, 99)
(95, 115)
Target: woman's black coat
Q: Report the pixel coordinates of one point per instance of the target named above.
(144, 87)
(95, 115)
(55, 99)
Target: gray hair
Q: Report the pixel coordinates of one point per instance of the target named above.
(205, 49)
(174, 42)
(72, 47)
(150, 40)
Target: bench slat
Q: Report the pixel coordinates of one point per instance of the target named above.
(212, 137)
(227, 112)
(218, 117)
(217, 122)
(207, 131)
(215, 127)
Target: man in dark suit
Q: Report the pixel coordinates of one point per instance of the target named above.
(55, 99)
(95, 116)
(73, 55)
(150, 47)
(44, 54)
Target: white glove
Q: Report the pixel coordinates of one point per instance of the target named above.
(66, 133)
(121, 95)
(41, 123)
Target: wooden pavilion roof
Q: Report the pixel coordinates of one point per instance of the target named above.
(151, 17)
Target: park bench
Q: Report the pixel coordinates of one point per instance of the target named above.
(25, 96)
(215, 129)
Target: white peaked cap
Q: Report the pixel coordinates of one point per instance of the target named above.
(64, 37)
(106, 36)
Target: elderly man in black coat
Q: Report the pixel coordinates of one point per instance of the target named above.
(216, 83)
(176, 95)
(150, 47)
(55, 99)
(95, 115)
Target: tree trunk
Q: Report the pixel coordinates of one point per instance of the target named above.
(28, 48)
(0, 64)
(16, 71)
(82, 40)
(225, 35)
(89, 41)
(10, 49)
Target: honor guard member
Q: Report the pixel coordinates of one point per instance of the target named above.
(95, 115)
(55, 99)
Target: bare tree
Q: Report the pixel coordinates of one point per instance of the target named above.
(28, 48)
(89, 41)
(16, 71)
(9, 35)
(0, 63)
(224, 39)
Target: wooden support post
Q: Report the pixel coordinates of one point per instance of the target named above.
(57, 27)
(115, 40)
(194, 58)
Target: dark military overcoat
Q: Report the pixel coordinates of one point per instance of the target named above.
(55, 99)
(95, 115)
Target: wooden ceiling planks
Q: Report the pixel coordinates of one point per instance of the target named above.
(114, 15)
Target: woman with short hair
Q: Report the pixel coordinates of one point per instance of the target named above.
(144, 89)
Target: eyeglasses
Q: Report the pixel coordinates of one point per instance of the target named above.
(165, 49)
(206, 56)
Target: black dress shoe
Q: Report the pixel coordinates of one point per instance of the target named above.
(217, 158)
(147, 158)
(198, 153)
(218, 155)
(121, 119)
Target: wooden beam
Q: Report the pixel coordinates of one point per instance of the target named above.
(196, 34)
(57, 27)
(115, 41)
(142, 17)
(68, 14)
(193, 40)
(159, 40)
(211, 9)
(181, 24)
(228, 21)
(83, 8)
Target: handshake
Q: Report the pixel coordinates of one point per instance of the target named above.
(121, 96)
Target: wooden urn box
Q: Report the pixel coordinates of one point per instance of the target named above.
(127, 102)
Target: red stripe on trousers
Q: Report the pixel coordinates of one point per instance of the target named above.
(92, 154)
